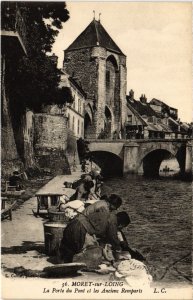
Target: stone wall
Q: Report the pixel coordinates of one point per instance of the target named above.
(123, 89)
(71, 151)
(10, 159)
(83, 68)
(89, 67)
(50, 132)
(101, 98)
(28, 133)
(50, 142)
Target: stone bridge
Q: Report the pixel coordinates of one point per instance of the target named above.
(140, 156)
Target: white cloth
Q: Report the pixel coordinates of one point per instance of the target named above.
(76, 205)
(72, 208)
(91, 201)
(134, 272)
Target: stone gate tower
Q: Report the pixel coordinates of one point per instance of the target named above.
(99, 66)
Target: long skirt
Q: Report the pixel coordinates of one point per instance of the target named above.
(73, 240)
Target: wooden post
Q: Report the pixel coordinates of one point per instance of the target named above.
(10, 214)
(38, 204)
(49, 201)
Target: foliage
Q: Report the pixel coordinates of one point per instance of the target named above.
(34, 78)
(41, 33)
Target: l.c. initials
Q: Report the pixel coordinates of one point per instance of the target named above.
(157, 291)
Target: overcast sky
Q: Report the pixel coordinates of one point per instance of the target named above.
(155, 37)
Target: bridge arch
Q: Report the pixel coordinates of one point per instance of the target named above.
(110, 163)
(150, 163)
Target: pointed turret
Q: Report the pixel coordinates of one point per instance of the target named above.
(94, 35)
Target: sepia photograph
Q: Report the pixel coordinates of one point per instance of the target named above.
(96, 150)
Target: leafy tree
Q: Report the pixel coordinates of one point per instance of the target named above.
(34, 78)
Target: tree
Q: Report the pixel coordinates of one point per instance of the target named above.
(34, 79)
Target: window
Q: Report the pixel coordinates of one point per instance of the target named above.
(129, 119)
(78, 126)
(73, 123)
(80, 107)
(74, 100)
(107, 78)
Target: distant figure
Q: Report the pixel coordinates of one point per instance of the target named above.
(15, 180)
(166, 169)
(83, 165)
(95, 174)
(102, 134)
(115, 135)
(83, 191)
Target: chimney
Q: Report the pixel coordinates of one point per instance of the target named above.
(54, 59)
(131, 95)
(143, 99)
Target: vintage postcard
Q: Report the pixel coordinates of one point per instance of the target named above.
(96, 150)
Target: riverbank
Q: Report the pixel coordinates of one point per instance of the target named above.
(22, 240)
(155, 215)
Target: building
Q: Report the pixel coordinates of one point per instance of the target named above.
(99, 65)
(163, 109)
(169, 116)
(75, 112)
(144, 120)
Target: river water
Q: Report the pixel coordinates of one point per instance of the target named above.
(161, 228)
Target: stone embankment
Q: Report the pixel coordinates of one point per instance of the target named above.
(22, 239)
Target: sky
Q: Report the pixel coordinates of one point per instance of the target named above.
(156, 37)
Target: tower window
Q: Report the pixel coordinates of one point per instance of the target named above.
(107, 77)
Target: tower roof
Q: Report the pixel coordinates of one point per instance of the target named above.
(94, 35)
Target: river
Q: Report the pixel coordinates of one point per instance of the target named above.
(161, 228)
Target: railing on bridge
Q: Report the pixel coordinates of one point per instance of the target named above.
(91, 139)
(138, 136)
(95, 140)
